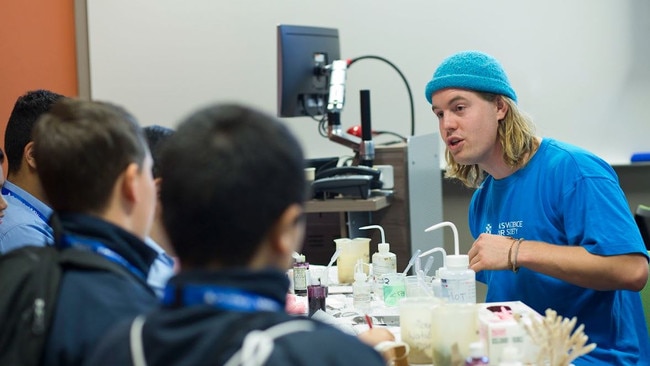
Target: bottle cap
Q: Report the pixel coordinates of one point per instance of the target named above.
(300, 258)
(476, 349)
(383, 247)
(313, 280)
(457, 261)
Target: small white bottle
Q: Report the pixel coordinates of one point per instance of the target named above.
(458, 281)
(477, 355)
(361, 293)
(510, 356)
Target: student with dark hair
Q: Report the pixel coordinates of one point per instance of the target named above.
(163, 267)
(95, 170)
(233, 195)
(26, 222)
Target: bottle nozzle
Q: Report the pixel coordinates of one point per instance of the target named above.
(381, 229)
(453, 228)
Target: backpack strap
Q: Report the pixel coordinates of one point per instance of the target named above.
(258, 344)
(135, 337)
(83, 259)
(256, 348)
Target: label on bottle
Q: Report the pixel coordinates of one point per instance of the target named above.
(299, 280)
(382, 265)
(459, 291)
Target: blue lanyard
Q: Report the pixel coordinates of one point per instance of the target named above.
(226, 298)
(7, 192)
(101, 249)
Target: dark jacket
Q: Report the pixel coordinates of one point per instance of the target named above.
(90, 301)
(208, 335)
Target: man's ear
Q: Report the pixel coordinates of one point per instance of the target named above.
(502, 108)
(28, 155)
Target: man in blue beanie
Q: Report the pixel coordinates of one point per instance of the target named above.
(553, 228)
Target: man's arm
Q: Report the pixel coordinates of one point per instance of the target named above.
(573, 264)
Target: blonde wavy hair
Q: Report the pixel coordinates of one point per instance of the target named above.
(516, 134)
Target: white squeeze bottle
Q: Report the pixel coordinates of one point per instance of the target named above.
(458, 281)
(383, 261)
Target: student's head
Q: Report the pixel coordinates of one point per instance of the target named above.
(92, 157)
(233, 189)
(482, 76)
(156, 135)
(27, 109)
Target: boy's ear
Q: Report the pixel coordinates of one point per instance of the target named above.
(289, 230)
(129, 182)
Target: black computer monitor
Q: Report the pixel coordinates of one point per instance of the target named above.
(303, 82)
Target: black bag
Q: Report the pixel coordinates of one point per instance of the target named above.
(29, 286)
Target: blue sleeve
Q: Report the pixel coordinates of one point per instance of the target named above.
(24, 235)
(597, 217)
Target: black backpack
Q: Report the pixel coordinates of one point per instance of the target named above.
(29, 286)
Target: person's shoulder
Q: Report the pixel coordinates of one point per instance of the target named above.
(567, 157)
(104, 291)
(16, 232)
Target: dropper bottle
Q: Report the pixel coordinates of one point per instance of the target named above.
(361, 298)
(458, 281)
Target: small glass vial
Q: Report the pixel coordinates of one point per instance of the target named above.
(300, 276)
(477, 355)
(361, 289)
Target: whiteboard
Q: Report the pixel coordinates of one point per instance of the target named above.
(580, 68)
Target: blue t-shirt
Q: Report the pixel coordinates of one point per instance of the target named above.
(567, 196)
(25, 221)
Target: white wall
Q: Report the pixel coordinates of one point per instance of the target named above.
(580, 67)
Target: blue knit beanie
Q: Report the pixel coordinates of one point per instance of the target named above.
(472, 70)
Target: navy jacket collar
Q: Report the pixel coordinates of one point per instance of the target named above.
(129, 246)
(271, 283)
